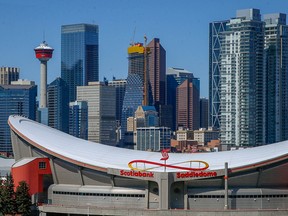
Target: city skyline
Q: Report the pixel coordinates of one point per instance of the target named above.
(120, 22)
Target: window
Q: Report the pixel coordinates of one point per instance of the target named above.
(42, 165)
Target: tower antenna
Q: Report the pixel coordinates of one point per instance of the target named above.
(44, 39)
(133, 36)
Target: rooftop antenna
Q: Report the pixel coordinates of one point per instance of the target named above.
(133, 36)
(44, 39)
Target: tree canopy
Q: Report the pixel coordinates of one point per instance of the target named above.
(12, 202)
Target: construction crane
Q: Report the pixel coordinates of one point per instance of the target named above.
(146, 76)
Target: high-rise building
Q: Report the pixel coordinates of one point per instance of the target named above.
(79, 56)
(132, 99)
(120, 86)
(242, 78)
(166, 116)
(175, 77)
(78, 119)
(101, 101)
(157, 72)
(134, 93)
(8, 74)
(16, 99)
(146, 75)
(203, 113)
(276, 67)
(215, 31)
(136, 60)
(188, 106)
(58, 105)
(146, 116)
(153, 138)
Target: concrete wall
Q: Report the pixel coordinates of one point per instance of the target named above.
(86, 210)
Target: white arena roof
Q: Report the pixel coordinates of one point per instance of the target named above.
(101, 157)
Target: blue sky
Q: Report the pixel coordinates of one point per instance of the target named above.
(181, 25)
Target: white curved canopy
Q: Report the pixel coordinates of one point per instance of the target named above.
(84, 152)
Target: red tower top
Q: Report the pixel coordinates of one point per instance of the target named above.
(43, 52)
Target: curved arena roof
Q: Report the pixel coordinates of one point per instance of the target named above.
(101, 157)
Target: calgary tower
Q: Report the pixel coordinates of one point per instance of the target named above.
(43, 52)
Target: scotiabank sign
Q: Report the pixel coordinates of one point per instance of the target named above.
(202, 174)
(136, 174)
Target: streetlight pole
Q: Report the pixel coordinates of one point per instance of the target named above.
(88, 212)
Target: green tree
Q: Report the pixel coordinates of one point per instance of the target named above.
(1, 189)
(23, 199)
(8, 205)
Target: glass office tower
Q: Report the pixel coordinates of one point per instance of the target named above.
(78, 119)
(175, 77)
(276, 67)
(58, 105)
(215, 31)
(15, 100)
(120, 86)
(132, 99)
(79, 55)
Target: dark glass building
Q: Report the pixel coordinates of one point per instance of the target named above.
(204, 113)
(215, 30)
(58, 105)
(120, 86)
(132, 99)
(78, 119)
(175, 77)
(15, 100)
(79, 56)
(276, 68)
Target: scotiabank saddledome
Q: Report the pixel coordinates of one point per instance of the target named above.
(84, 172)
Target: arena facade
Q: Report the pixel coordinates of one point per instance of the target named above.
(82, 174)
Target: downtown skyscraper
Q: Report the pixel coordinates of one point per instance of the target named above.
(252, 79)
(101, 101)
(8, 74)
(157, 72)
(215, 31)
(188, 105)
(276, 69)
(58, 105)
(19, 98)
(146, 79)
(79, 56)
(120, 86)
(175, 77)
(241, 78)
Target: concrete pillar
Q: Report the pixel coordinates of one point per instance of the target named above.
(43, 84)
(54, 174)
(164, 192)
(164, 181)
(226, 206)
(185, 196)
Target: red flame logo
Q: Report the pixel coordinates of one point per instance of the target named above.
(165, 155)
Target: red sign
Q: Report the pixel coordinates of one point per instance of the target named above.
(137, 174)
(165, 155)
(195, 174)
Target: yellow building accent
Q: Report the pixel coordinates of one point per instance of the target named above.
(137, 48)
